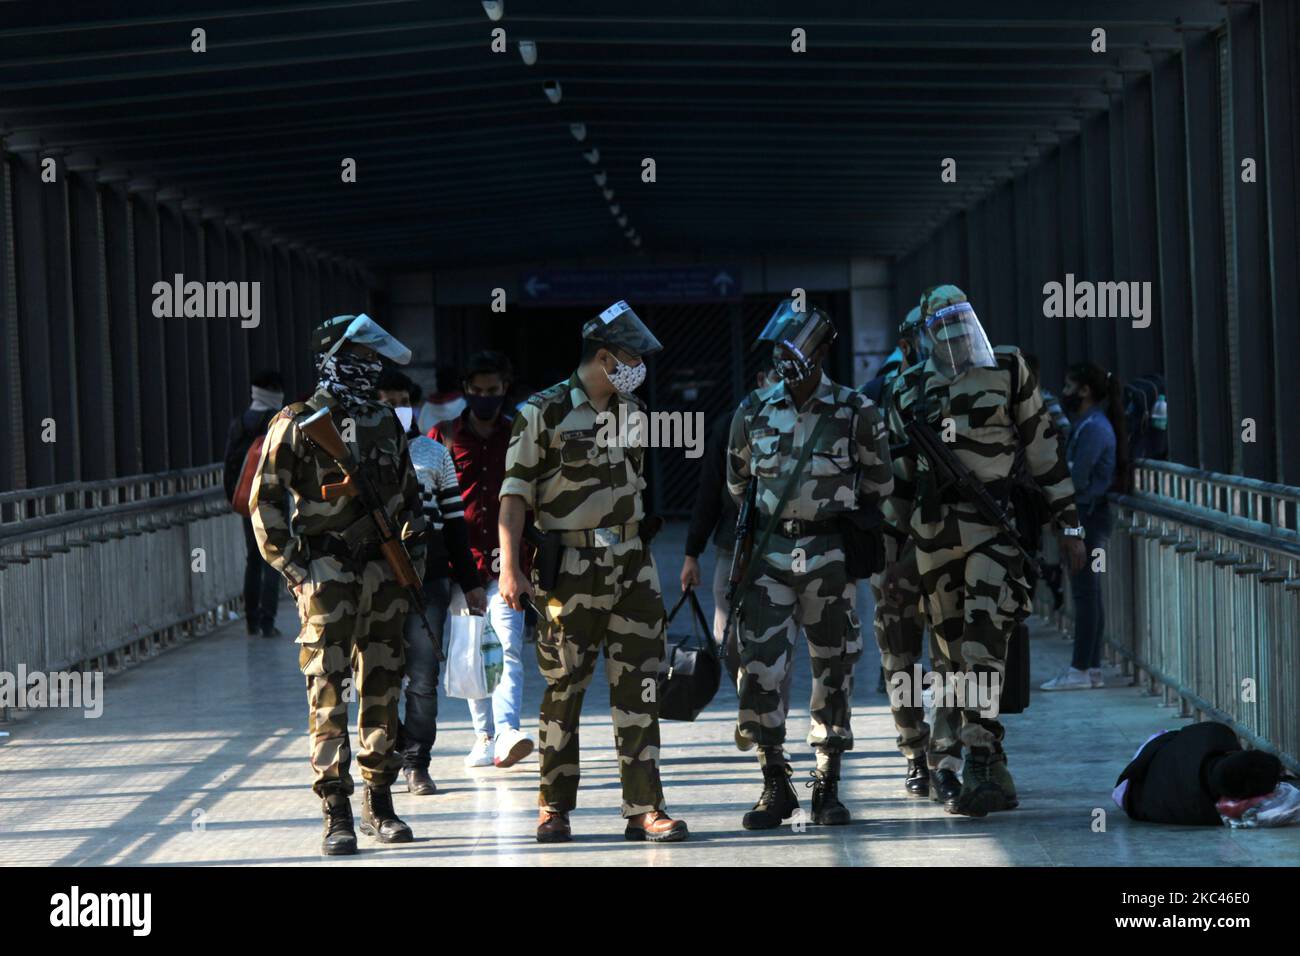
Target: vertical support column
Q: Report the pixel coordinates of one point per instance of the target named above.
(1172, 254)
(1248, 201)
(1205, 230)
(1279, 24)
(12, 434)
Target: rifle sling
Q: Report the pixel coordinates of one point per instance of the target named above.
(761, 545)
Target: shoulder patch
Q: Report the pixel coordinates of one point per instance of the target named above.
(548, 395)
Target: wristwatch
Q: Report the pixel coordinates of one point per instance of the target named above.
(1075, 532)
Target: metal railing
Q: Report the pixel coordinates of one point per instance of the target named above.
(1202, 591)
(94, 575)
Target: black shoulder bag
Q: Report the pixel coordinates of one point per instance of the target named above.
(689, 675)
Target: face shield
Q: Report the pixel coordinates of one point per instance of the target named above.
(957, 340)
(359, 330)
(794, 353)
(618, 327)
(784, 317)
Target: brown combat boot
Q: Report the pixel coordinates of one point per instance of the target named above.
(655, 826)
(553, 827)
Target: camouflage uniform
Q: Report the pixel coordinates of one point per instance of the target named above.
(801, 579)
(899, 629)
(607, 594)
(352, 611)
(973, 581)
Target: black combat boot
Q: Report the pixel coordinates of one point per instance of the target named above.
(777, 803)
(379, 820)
(339, 838)
(980, 792)
(945, 788)
(419, 782)
(917, 780)
(826, 807)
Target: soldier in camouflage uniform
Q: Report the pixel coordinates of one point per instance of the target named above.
(351, 607)
(798, 578)
(986, 402)
(933, 754)
(587, 490)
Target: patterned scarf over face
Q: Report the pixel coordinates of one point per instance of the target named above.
(350, 377)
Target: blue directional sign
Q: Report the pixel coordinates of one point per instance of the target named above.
(644, 284)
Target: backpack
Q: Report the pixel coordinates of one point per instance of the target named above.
(243, 485)
(1145, 417)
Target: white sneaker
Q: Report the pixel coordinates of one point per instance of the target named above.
(481, 755)
(1094, 675)
(512, 746)
(1069, 679)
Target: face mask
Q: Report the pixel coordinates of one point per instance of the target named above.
(350, 377)
(484, 407)
(626, 378)
(405, 415)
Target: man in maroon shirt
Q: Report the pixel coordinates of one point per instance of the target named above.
(478, 439)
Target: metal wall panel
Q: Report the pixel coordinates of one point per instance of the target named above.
(155, 406)
(1250, 217)
(175, 337)
(93, 372)
(13, 474)
(1279, 24)
(123, 330)
(33, 315)
(1215, 431)
(1173, 266)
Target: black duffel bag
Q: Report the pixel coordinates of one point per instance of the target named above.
(691, 671)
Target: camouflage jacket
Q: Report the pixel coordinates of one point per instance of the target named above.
(994, 412)
(569, 480)
(848, 468)
(290, 464)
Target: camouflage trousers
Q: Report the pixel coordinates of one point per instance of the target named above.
(604, 598)
(351, 648)
(900, 629)
(975, 595)
(799, 582)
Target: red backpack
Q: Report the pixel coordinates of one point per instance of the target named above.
(244, 487)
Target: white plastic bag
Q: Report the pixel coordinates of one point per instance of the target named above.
(474, 657)
(1277, 809)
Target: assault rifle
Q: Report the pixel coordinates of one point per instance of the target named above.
(743, 553)
(950, 472)
(319, 429)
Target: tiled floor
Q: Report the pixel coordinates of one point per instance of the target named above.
(200, 757)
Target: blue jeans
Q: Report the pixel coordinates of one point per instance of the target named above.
(491, 715)
(1089, 615)
(420, 724)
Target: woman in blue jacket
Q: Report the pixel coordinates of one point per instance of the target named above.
(1095, 452)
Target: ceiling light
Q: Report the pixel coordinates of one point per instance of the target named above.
(600, 178)
(528, 50)
(593, 156)
(495, 9)
(552, 90)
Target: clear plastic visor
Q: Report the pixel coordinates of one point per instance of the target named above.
(957, 340)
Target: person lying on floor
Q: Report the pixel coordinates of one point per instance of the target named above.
(1177, 776)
